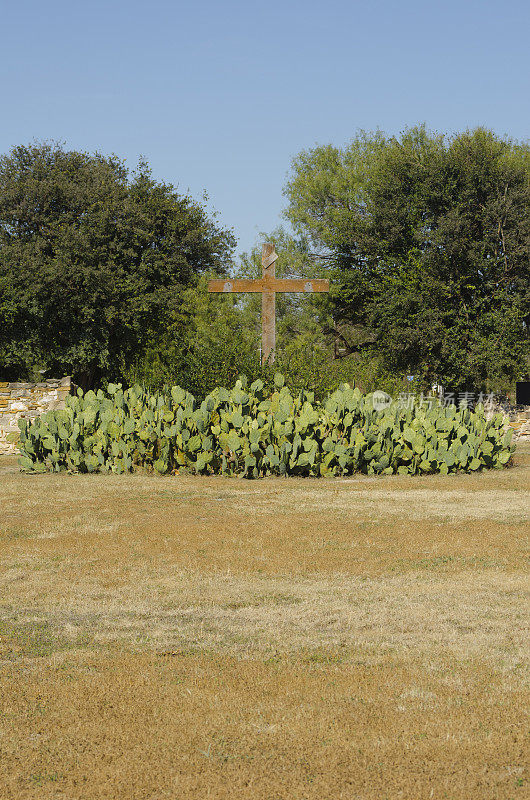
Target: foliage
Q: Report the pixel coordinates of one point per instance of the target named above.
(215, 339)
(429, 241)
(92, 260)
(251, 432)
(308, 364)
(207, 343)
(297, 314)
(307, 337)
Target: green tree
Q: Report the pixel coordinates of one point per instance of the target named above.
(297, 315)
(207, 343)
(93, 259)
(429, 241)
(215, 338)
(308, 339)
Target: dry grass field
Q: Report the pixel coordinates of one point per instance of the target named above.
(181, 637)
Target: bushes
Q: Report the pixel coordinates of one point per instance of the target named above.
(251, 433)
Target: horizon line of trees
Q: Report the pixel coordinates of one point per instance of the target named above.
(426, 239)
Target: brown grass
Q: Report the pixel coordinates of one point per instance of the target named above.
(210, 638)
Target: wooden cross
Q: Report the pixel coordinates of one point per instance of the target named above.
(268, 285)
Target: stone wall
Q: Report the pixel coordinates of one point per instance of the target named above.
(27, 400)
(520, 422)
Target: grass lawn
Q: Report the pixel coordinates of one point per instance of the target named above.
(282, 639)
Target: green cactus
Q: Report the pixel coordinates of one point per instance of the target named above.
(243, 432)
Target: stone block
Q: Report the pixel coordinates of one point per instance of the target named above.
(19, 406)
(4, 384)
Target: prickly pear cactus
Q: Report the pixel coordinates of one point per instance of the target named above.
(249, 433)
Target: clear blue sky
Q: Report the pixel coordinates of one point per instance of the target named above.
(219, 95)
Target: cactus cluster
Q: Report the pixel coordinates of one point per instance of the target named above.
(251, 433)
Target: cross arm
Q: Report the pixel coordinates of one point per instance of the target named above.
(268, 285)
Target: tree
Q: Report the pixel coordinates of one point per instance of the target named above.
(429, 240)
(93, 259)
(297, 315)
(215, 338)
(307, 339)
(208, 343)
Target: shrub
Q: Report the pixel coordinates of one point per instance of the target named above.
(251, 432)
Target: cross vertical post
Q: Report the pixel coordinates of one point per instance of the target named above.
(268, 304)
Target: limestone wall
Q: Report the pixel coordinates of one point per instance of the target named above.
(520, 422)
(27, 400)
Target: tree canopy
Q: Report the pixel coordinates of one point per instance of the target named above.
(429, 241)
(426, 239)
(93, 258)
